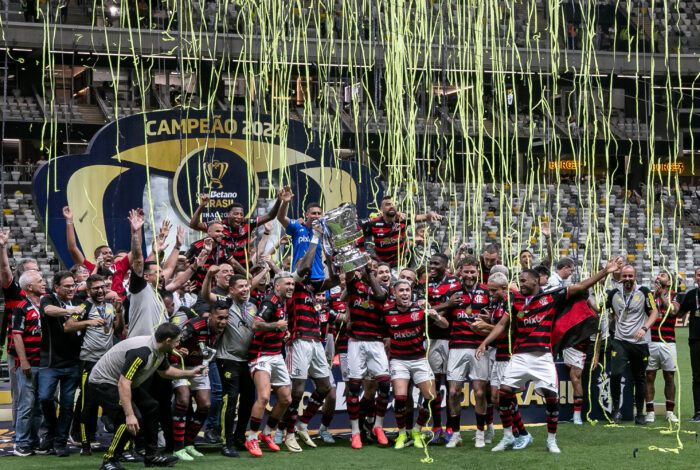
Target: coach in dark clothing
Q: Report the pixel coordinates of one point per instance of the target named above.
(691, 304)
(59, 363)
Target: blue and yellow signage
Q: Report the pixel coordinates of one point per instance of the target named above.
(168, 158)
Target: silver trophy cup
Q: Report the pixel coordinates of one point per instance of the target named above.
(340, 233)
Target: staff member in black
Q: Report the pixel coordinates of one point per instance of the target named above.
(117, 378)
(691, 303)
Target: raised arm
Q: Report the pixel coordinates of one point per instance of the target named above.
(612, 265)
(136, 221)
(547, 234)
(206, 284)
(285, 196)
(196, 222)
(184, 276)
(5, 271)
(270, 216)
(171, 261)
(429, 217)
(75, 253)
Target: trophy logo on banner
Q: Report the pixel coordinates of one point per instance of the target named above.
(216, 170)
(340, 235)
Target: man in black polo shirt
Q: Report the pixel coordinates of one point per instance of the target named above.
(60, 355)
(691, 303)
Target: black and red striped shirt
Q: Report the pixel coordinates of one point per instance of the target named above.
(470, 306)
(365, 312)
(304, 321)
(273, 309)
(341, 333)
(237, 239)
(503, 342)
(26, 321)
(406, 332)
(389, 238)
(440, 291)
(535, 320)
(220, 254)
(195, 332)
(258, 296)
(664, 329)
(14, 296)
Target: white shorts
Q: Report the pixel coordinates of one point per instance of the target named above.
(437, 356)
(416, 369)
(574, 358)
(538, 367)
(662, 356)
(193, 383)
(275, 367)
(306, 359)
(366, 359)
(498, 369)
(343, 359)
(463, 361)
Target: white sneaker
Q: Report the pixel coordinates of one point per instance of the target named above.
(489, 434)
(326, 436)
(506, 442)
(479, 439)
(291, 442)
(553, 447)
(304, 434)
(577, 420)
(650, 417)
(455, 440)
(671, 417)
(278, 438)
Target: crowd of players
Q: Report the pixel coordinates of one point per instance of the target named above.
(205, 336)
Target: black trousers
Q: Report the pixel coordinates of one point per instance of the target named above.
(162, 390)
(146, 411)
(237, 388)
(85, 416)
(695, 367)
(635, 356)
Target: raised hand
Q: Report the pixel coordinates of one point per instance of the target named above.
(67, 213)
(136, 219)
(165, 228)
(4, 236)
(544, 229)
(203, 199)
(201, 258)
(286, 194)
(614, 264)
(180, 237)
(208, 244)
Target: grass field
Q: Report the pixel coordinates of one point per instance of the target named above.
(585, 447)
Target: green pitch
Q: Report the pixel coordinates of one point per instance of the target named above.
(585, 447)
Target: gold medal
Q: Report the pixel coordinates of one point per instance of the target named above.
(468, 311)
(365, 304)
(106, 330)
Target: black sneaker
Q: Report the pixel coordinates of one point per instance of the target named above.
(640, 420)
(229, 451)
(61, 451)
(616, 416)
(160, 461)
(695, 419)
(45, 448)
(211, 436)
(23, 451)
(130, 457)
(85, 449)
(111, 465)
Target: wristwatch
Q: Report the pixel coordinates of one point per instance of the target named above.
(645, 329)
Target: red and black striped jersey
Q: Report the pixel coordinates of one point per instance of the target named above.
(535, 319)
(13, 295)
(26, 321)
(257, 296)
(406, 332)
(471, 304)
(440, 291)
(326, 317)
(220, 254)
(304, 321)
(365, 312)
(272, 310)
(237, 239)
(389, 238)
(664, 329)
(340, 332)
(195, 332)
(503, 342)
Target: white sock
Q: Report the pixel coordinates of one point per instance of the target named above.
(551, 437)
(253, 436)
(322, 427)
(302, 426)
(402, 431)
(355, 425)
(266, 430)
(577, 414)
(379, 422)
(508, 432)
(490, 428)
(417, 427)
(479, 433)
